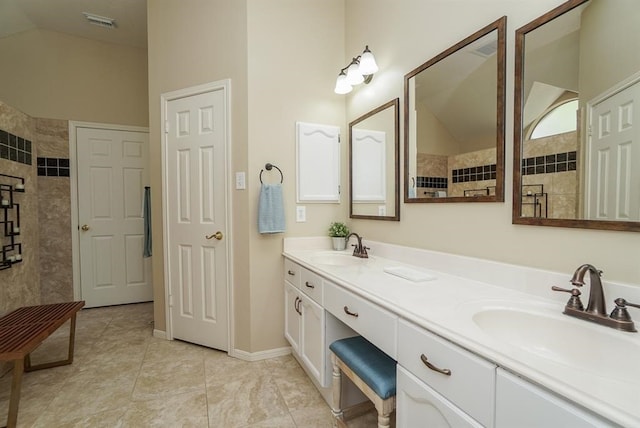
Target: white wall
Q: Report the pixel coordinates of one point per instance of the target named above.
(59, 76)
(405, 33)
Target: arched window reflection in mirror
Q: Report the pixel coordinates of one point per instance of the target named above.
(454, 122)
(374, 170)
(587, 177)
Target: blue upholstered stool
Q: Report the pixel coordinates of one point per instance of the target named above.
(370, 369)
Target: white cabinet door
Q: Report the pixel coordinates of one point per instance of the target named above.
(318, 162)
(417, 405)
(312, 338)
(292, 319)
(522, 404)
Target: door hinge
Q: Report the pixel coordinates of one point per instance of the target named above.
(339, 139)
(166, 126)
(589, 131)
(171, 300)
(339, 190)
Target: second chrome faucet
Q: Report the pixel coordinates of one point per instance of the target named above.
(596, 309)
(359, 250)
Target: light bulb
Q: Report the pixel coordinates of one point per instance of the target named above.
(354, 76)
(368, 62)
(342, 86)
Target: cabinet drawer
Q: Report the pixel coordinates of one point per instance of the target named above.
(377, 325)
(311, 285)
(292, 273)
(471, 383)
(417, 405)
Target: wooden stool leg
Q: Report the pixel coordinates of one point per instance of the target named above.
(336, 408)
(384, 421)
(16, 385)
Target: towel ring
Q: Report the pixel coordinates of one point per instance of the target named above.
(268, 167)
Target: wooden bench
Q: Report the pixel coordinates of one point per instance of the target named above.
(22, 331)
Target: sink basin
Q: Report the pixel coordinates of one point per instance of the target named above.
(332, 258)
(565, 341)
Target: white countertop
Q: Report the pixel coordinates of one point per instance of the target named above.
(601, 370)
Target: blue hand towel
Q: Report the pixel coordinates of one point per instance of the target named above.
(271, 209)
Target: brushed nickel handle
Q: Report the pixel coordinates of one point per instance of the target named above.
(434, 368)
(292, 273)
(310, 285)
(218, 235)
(348, 312)
(85, 227)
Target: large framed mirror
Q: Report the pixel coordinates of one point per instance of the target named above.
(374, 170)
(576, 146)
(454, 109)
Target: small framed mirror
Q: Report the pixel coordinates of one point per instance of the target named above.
(454, 122)
(374, 156)
(576, 149)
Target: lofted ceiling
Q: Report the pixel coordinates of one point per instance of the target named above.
(66, 16)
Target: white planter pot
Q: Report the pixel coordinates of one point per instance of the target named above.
(339, 243)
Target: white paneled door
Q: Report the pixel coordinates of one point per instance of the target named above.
(112, 173)
(613, 183)
(195, 223)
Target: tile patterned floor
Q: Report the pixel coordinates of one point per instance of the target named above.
(124, 377)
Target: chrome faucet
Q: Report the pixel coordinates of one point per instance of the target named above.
(596, 310)
(596, 303)
(358, 249)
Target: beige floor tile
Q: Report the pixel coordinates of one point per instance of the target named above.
(244, 402)
(182, 410)
(167, 378)
(124, 377)
(108, 419)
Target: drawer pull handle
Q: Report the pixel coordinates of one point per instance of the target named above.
(292, 273)
(348, 312)
(434, 368)
(310, 285)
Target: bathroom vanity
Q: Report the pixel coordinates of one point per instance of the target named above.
(478, 343)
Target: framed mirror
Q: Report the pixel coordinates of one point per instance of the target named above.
(374, 170)
(454, 122)
(576, 149)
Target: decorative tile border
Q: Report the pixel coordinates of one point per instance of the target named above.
(549, 164)
(53, 167)
(432, 182)
(474, 173)
(15, 148)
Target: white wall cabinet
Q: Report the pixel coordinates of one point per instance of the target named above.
(318, 163)
(522, 404)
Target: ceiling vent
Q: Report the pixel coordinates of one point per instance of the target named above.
(487, 50)
(102, 21)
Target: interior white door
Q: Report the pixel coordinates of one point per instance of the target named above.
(197, 239)
(112, 173)
(613, 185)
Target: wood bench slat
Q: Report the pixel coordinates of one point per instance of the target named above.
(22, 330)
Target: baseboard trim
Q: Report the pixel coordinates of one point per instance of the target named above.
(160, 334)
(261, 355)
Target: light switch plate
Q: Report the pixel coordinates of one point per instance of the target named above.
(241, 182)
(301, 213)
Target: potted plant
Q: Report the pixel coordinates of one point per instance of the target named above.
(338, 232)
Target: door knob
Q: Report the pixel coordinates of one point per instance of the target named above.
(218, 235)
(85, 227)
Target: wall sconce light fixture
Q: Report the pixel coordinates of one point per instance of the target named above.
(359, 70)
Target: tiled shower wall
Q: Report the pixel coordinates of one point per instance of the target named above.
(45, 275)
(20, 285)
(560, 178)
(54, 214)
